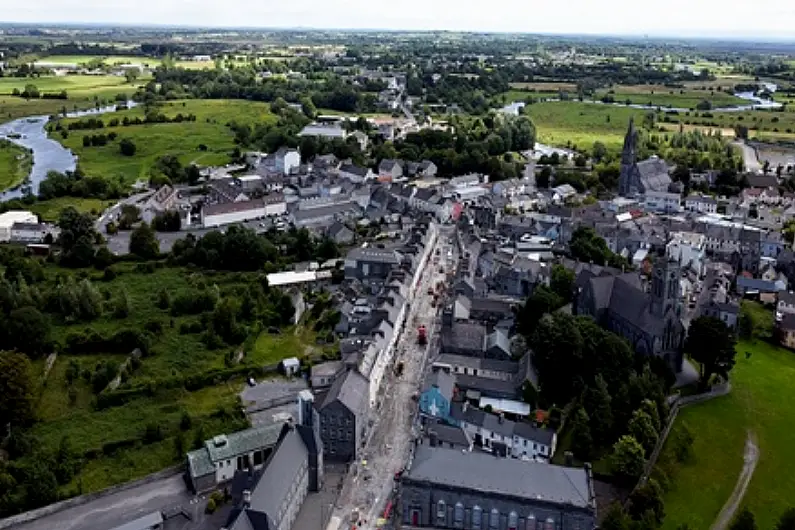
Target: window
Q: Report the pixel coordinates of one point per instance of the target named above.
(228, 462)
(530, 523)
(494, 519)
(549, 524)
(458, 515)
(441, 513)
(477, 517)
(513, 521)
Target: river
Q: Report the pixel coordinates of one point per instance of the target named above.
(48, 154)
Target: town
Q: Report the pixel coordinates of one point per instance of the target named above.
(307, 285)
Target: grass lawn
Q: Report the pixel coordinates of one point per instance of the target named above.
(548, 86)
(50, 210)
(15, 164)
(157, 139)
(581, 124)
(760, 401)
(671, 97)
(83, 92)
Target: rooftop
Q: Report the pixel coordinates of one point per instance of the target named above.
(502, 476)
(224, 447)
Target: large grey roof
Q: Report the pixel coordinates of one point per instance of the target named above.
(498, 339)
(200, 461)
(464, 335)
(450, 434)
(352, 390)
(502, 476)
(489, 387)
(278, 477)
(375, 255)
(442, 380)
(654, 174)
(496, 365)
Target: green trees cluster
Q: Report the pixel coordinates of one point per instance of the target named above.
(587, 246)
(712, 344)
(77, 184)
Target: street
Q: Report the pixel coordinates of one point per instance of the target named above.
(370, 486)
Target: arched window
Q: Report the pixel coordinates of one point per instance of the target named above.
(530, 523)
(477, 517)
(550, 524)
(458, 516)
(494, 519)
(513, 521)
(441, 513)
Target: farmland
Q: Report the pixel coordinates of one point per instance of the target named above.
(154, 140)
(83, 92)
(15, 163)
(114, 60)
(657, 95)
(760, 403)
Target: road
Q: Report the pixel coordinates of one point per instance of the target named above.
(750, 160)
(750, 458)
(387, 449)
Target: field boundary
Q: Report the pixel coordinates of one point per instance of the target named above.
(56, 507)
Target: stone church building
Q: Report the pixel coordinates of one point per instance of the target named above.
(651, 322)
(638, 178)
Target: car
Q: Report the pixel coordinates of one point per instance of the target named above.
(251, 381)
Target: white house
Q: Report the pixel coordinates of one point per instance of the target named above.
(356, 174)
(287, 160)
(8, 219)
(275, 204)
(662, 202)
(701, 204)
(688, 248)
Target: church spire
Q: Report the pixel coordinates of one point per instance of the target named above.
(628, 155)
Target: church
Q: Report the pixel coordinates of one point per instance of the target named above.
(638, 178)
(651, 322)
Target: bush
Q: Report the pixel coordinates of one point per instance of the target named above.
(153, 433)
(127, 147)
(210, 506)
(185, 422)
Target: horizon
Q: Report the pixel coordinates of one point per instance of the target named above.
(705, 20)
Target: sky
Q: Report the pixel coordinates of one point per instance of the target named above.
(771, 19)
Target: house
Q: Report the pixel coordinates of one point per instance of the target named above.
(33, 232)
(344, 412)
(437, 394)
(227, 190)
(323, 375)
(639, 178)
(287, 160)
(221, 214)
(758, 196)
(689, 249)
(785, 304)
(465, 181)
(340, 234)
(497, 434)
(445, 488)
(562, 193)
(766, 290)
(216, 462)
(8, 219)
(291, 366)
(449, 436)
(273, 497)
(361, 139)
(390, 170)
(650, 322)
(764, 181)
(497, 345)
(356, 174)
(486, 368)
(324, 131)
(463, 338)
(662, 202)
(726, 312)
(785, 331)
(701, 204)
(162, 200)
(369, 264)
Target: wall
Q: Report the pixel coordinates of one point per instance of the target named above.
(210, 221)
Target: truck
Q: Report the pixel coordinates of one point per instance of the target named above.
(422, 336)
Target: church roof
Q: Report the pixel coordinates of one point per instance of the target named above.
(623, 296)
(654, 174)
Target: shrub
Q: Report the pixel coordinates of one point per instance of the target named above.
(210, 506)
(153, 433)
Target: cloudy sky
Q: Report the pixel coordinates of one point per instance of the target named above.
(693, 18)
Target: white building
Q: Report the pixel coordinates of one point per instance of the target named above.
(324, 131)
(33, 232)
(8, 219)
(226, 213)
(287, 160)
(689, 249)
(662, 202)
(701, 204)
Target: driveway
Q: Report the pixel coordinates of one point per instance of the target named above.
(116, 509)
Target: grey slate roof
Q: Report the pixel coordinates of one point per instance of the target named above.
(654, 174)
(788, 297)
(443, 381)
(352, 390)
(464, 335)
(498, 339)
(374, 255)
(486, 386)
(503, 476)
(450, 434)
(353, 169)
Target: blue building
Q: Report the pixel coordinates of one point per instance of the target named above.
(437, 394)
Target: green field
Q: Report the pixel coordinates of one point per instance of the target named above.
(50, 209)
(662, 96)
(112, 60)
(83, 92)
(760, 401)
(157, 139)
(15, 164)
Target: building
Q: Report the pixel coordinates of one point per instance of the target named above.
(225, 213)
(639, 178)
(785, 330)
(785, 304)
(650, 322)
(437, 394)
(323, 375)
(294, 469)
(287, 160)
(496, 434)
(324, 131)
(662, 202)
(701, 204)
(450, 436)
(33, 232)
(344, 414)
(221, 456)
(161, 201)
(369, 264)
(479, 367)
(356, 174)
(390, 170)
(8, 219)
(445, 488)
(689, 249)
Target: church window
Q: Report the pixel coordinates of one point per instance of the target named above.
(458, 515)
(494, 519)
(441, 512)
(513, 521)
(477, 517)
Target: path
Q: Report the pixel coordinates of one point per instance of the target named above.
(750, 160)
(750, 459)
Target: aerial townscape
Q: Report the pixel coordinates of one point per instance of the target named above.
(403, 278)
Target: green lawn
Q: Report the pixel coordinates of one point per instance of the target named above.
(671, 97)
(760, 401)
(179, 139)
(15, 164)
(144, 61)
(83, 92)
(50, 210)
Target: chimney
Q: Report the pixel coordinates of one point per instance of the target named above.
(246, 498)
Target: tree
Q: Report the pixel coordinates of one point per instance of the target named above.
(787, 520)
(561, 282)
(143, 242)
(543, 301)
(29, 330)
(641, 427)
(17, 399)
(744, 521)
(711, 343)
(308, 108)
(627, 459)
(616, 518)
(131, 74)
(597, 400)
(76, 238)
(581, 439)
(41, 485)
(122, 305)
(647, 498)
(599, 151)
(127, 147)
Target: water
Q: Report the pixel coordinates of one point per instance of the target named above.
(48, 154)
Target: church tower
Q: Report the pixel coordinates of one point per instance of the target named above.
(664, 285)
(629, 156)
